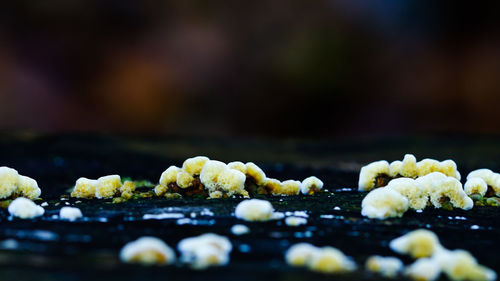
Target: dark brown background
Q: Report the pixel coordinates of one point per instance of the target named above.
(250, 68)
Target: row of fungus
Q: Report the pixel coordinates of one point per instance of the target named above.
(434, 189)
(214, 179)
(379, 173)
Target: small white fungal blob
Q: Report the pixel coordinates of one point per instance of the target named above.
(325, 259)
(239, 229)
(424, 269)
(25, 208)
(254, 210)
(11, 183)
(311, 185)
(386, 266)
(475, 186)
(205, 250)
(384, 203)
(44, 204)
(489, 177)
(193, 166)
(147, 251)
(295, 221)
(418, 244)
(369, 173)
(28, 187)
(70, 213)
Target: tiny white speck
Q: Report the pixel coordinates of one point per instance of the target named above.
(44, 204)
(337, 208)
(419, 211)
(474, 226)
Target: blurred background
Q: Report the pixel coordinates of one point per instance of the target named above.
(250, 68)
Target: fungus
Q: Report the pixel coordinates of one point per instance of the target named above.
(70, 213)
(147, 251)
(311, 185)
(324, 260)
(475, 186)
(25, 208)
(424, 269)
(194, 165)
(214, 179)
(418, 244)
(254, 210)
(384, 203)
(103, 187)
(491, 179)
(239, 229)
(13, 185)
(295, 221)
(379, 173)
(205, 250)
(388, 267)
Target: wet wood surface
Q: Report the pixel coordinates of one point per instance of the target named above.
(47, 248)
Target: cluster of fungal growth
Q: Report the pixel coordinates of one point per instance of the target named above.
(379, 173)
(147, 251)
(483, 186)
(13, 185)
(434, 189)
(434, 259)
(325, 259)
(205, 250)
(103, 187)
(214, 179)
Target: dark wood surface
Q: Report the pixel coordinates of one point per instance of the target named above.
(50, 249)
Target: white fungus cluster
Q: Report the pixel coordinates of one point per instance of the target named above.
(12, 184)
(103, 187)
(223, 180)
(479, 181)
(147, 251)
(205, 250)
(25, 208)
(388, 267)
(295, 221)
(377, 173)
(402, 193)
(70, 213)
(324, 259)
(433, 259)
(254, 210)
